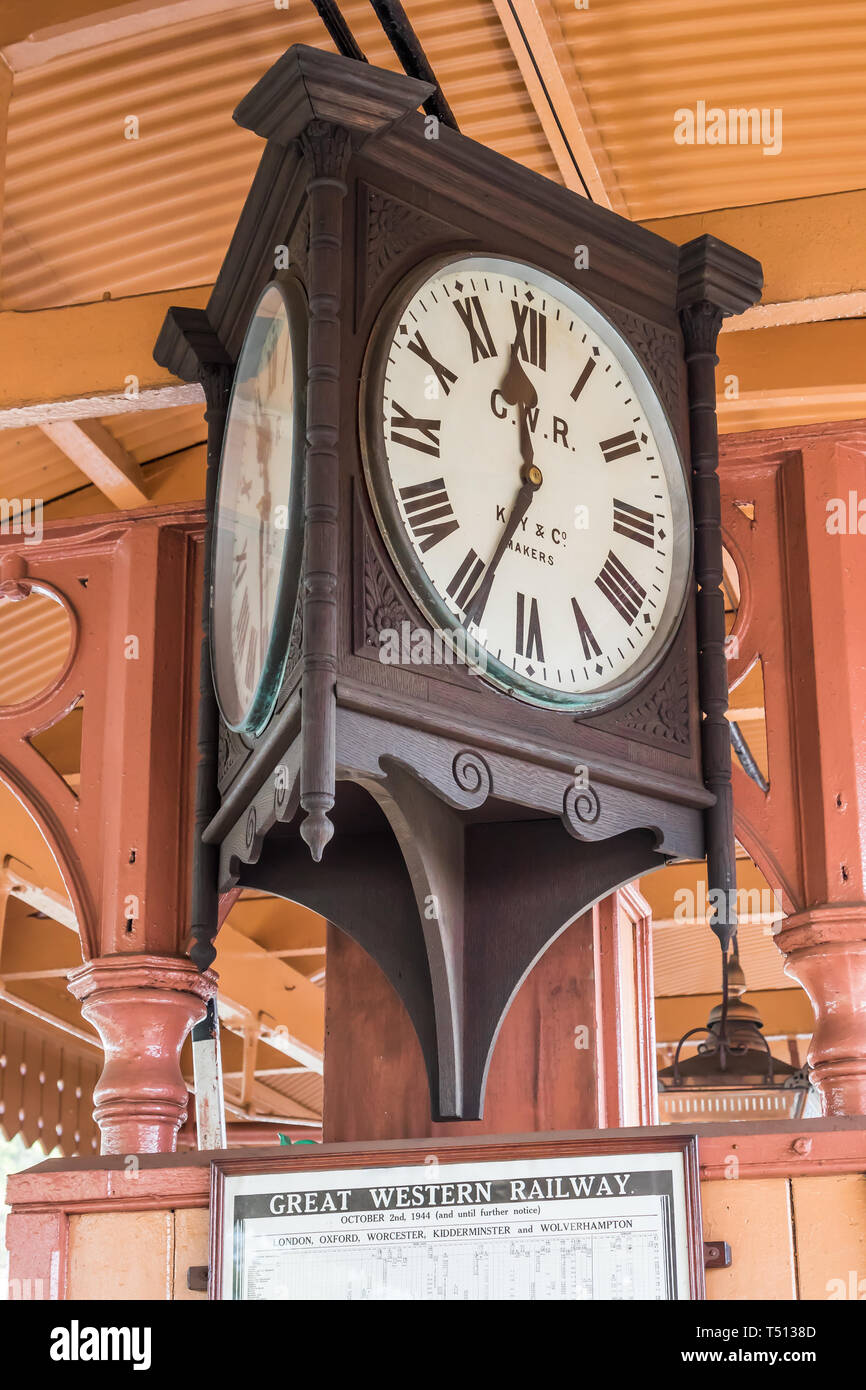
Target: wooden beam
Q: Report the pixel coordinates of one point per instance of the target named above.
(104, 462)
(296, 1070)
(290, 951)
(53, 1019)
(289, 1010)
(19, 886)
(851, 305)
(811, 249)
(556, 91)
(806, 373)
(88, 359)
(90, 407)
(95, 30)
(265, 1101)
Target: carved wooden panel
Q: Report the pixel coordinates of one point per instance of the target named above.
(232, 753)
(663, 715)
(658, 349)
(387, 229)
(379, 608)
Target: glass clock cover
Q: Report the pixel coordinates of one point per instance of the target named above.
(258, 520)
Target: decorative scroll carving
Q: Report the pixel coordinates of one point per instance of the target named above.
(392, 228)
(658, 349)
(473, 777)
(580, 806)
(250, 830)
(664, 715)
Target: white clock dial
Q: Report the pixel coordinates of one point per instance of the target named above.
(526, 479)
(257, 533)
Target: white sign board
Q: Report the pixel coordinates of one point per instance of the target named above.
(581, 1226)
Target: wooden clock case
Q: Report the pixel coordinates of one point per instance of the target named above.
(469, 828)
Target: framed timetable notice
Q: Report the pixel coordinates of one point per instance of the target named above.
(611, 1216)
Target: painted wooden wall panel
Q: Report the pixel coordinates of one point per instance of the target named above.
(830, 1221)
(120, 1255)
(754, 1217)
(190, 1248)
(539, 1080)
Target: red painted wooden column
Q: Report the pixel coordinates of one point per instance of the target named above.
(131, 584)
(142, 1006)
(141, 993)
(804, 562)
(826, 943)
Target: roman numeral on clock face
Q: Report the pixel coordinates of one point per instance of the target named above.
(619, 446)
(239, 567)
(243, 622)
(587, 637)
(621, 588)
(427, 441)
(252, 652)
(530, 321)
(465, 580)
(444, 376)
(430, 514)
(472, 314)
(632, 522)
(527, 637)
(583, 378)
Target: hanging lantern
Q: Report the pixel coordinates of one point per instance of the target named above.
(734, 1075)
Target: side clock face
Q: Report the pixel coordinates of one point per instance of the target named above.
(257, 525)
(526, 480)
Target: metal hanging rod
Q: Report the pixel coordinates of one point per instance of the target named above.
(402, 38)
(406, 44)
(331, 16)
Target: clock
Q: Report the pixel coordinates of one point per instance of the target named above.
(526, 480)
(515, 475)
(259, 511)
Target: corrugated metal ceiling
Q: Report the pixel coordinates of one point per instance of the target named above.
(35, 640)
(32, 466)
(686, 959)
(89, 212)
(639, 63)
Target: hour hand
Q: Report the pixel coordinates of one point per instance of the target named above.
(532, 480)
(517, 389)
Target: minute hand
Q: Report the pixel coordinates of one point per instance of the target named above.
(531, 483)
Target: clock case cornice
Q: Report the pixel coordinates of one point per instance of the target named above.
(461, 784)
